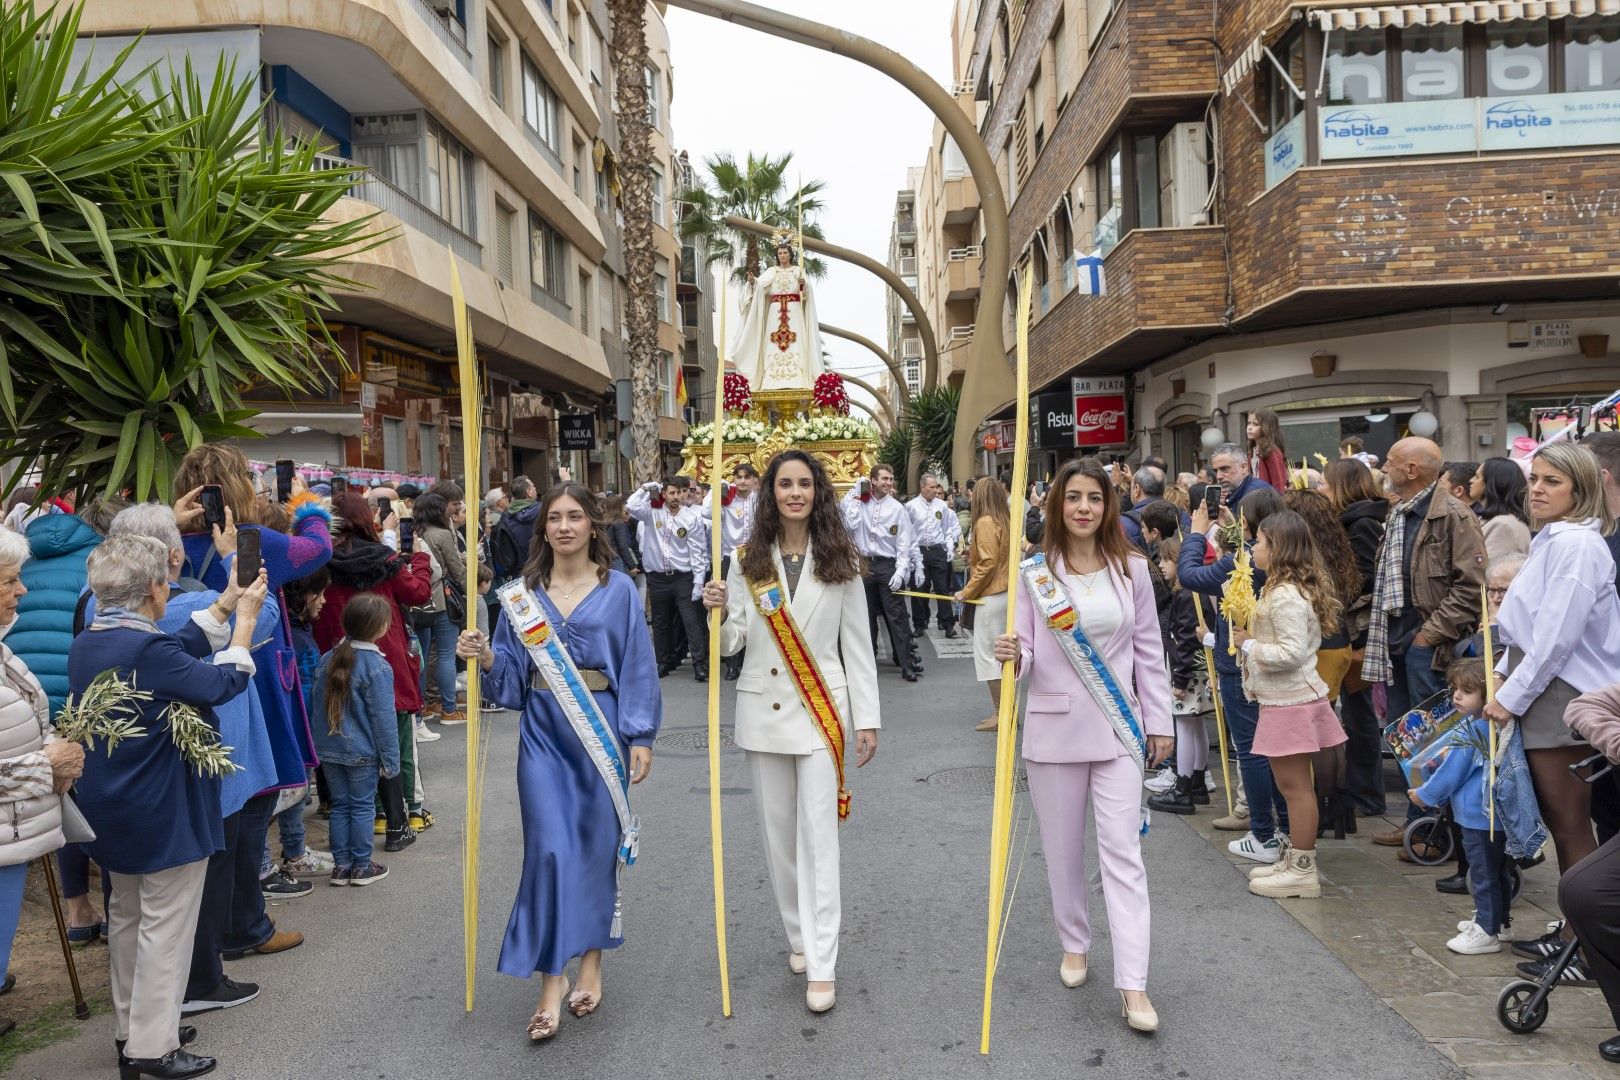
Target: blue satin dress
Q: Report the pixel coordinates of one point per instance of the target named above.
(564, 904)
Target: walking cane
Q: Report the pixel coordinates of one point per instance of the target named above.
(1215, 697)
(81, 1008)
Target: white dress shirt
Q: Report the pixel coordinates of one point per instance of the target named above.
(1562, 613)
(736, 520)
(881, 529)
(674, 539)
(935, 523)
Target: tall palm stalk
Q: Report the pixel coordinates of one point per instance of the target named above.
(757, 190)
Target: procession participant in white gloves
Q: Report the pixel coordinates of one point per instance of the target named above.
(674, 555)
(881, 528)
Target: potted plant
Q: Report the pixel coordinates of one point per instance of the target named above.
(1323, 363)
(1594, 345)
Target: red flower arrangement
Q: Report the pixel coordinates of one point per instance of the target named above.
(738, 395)
(829, 393)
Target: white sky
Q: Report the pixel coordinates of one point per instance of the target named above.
(740, 91)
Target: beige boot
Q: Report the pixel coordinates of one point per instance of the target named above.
(1296, 877)
(1283, 849)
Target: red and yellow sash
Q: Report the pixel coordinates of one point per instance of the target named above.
(771, 600)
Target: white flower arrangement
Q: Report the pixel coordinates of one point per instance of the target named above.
(737, 429)
(830, 428)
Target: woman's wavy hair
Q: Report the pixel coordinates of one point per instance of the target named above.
(225, 465)
(433, 511)
(1111, 541)
(1295, 561)
(1350, 481)
(537, 571)
(357, 520)
(989, 501)
(1270, 433)
(836, 560)
(1332, 542)
(1505, 490)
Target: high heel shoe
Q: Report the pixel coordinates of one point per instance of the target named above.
(820, 1001)
(1073, 977)
(797, 963)
(175, 1065)
(1145, 1020)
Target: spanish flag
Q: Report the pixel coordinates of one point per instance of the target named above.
(680, 387)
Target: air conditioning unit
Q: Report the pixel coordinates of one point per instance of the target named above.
(1184, 165)
(443, 7)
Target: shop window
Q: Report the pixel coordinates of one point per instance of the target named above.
(1357, 68)
(1516, 59)
(1433, 63)
(1592, 53)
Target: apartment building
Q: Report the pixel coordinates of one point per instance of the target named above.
(904, 340)
(486, 129)
(1371, 218)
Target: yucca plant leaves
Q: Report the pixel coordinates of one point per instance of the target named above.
(159, 251)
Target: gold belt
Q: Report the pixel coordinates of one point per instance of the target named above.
(595, 681)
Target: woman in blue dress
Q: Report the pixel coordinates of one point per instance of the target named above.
(568, 898)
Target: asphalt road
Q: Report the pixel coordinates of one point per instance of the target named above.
(1243, 991)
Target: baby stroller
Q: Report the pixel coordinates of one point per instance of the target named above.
(1522, 1006)
(1430, 840)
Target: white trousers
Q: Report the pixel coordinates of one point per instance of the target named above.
(797, 796)
(151, 921)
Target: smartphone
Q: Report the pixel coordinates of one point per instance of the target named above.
(1040, 489)
(866, 487)
(213, 504)
(1195, 497)
(407, 535)
(340, 487)
(248, 559)
(1217, 497)
(284, 479)
(384, 508)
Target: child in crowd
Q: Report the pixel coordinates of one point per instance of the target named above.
(305, 598)
(1297, 605)
(1459, 779)
(486, 581)
(357, 734)
(1187, 674)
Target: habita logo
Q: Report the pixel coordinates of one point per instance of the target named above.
(1353, 124)
(1100, 419)
(1283, 151)
(1519, 116)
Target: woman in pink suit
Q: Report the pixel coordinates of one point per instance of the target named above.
(1084, 758)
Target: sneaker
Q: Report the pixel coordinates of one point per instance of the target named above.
(365, 875)
(453, 719)
(429, 711)
(404, 839)
(340, 876)
(1574, 973)
(1255, 850)
(226, 995)
(425, 733)
(281, 885)
(1548, 944)
(1162, 782)
(311, 863)
(1472, 941)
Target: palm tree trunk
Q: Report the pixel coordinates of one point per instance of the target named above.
(635, 149)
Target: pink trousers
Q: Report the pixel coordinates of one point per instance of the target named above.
(1064, 795)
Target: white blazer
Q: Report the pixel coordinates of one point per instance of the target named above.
(832, 619)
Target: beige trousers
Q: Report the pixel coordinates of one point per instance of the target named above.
(151, 920)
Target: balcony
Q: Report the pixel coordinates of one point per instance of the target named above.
(1163, 286)
(551, 302)
(384, 195)
(959, 335)
(963, 272)
(449, 28)
(961, 200)
(905, 227)
(908, 266)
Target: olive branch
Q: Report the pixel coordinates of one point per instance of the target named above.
(108, 710)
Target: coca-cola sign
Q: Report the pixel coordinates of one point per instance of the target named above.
(1099, 412)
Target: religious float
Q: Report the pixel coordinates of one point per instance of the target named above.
(781, 397)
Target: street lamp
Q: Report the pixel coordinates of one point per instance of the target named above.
(1215, 434)
(1424, 422)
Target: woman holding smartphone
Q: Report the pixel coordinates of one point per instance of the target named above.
(1098, 714)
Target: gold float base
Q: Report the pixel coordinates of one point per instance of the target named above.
(846, 460)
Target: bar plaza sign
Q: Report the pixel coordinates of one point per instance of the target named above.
(1099, 412)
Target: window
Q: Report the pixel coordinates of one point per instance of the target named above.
(573, 33)
(658, 209)
(666, 383)
(449, 186)
(505, 226)
(655, 111)
(1145, 149)
(584, 302)
(548, 257)
(1357, 68)
(1516, 57)
(1282, 104)
(540, 106)
(497, 70)
(598, 58)
(602, 190)
(582, 161)
(661, 277)
(1433, 63)
(1110, 199)
(1592, 54)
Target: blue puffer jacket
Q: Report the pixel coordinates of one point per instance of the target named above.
(54, 575)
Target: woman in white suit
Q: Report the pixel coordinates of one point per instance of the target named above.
(795, 594)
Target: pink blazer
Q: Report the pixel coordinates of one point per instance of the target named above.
(1063, 722)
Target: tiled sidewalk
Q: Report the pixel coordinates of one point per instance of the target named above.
(1385, 921)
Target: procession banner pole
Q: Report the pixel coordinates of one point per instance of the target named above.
(472, 437)
(1006, 733)
(1215, 697)
(716, 617)
(1490, 696)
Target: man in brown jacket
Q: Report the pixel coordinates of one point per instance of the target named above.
(1430, 571)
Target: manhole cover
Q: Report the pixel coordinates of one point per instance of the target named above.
(978, 780)
(693, 739)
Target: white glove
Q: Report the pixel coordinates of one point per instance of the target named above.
(1208, 639)
(917, 578)
(898, 580)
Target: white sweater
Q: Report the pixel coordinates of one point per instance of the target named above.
(1279, 661)
(30, 809)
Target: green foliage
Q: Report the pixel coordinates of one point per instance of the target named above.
(931, 417)
(895, 448)
(159, 254)
(757, 190)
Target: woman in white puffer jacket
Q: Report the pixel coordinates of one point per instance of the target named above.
(35, 766)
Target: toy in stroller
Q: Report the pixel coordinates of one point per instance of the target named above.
(1522, 1006)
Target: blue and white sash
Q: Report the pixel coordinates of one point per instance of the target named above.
(545, 647)
(1089, 662)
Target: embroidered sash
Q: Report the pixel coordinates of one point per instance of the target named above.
(1089, 663)
(771, 600)
(545, 647)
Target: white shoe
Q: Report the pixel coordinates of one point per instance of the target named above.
(1162, 782)
(1073, 977)
(796, 963)
(1139, 1019)
(820, 1001)
(1474, 942)
(312, 863)
(1252, 849)
(426, 734)
(1465, 924)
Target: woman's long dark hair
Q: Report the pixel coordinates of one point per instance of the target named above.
(431, 510)
(1350, 481)
(1296, 561)
(1111, 542)
(836, 560)
(366, 617)
(357, 518)
(537, 571)
(1270, 433)
(1505, 490)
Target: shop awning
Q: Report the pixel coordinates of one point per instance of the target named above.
(1399, 15)
(1244, 64)
(273, 422)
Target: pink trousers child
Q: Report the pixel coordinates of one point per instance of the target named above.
(1064, 794)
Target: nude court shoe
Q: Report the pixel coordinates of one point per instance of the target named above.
(820, 1001)
(1141, 1020)
(1073, 976)
(796, 963)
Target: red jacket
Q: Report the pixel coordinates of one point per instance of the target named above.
(1274, 470)
(359, 567)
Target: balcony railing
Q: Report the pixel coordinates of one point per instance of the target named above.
(963, 254)
(908, 265)
(450, 30)
(384, 195)
(958, 335)
(553, 158)
(551, 302)
(906, 225)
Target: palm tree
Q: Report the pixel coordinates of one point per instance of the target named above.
(756, 190)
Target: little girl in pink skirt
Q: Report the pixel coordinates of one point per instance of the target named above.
(1279, 671)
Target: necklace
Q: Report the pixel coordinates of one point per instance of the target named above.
(573, 587)
(1088, 581)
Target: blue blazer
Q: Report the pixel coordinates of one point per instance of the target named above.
(151, 810)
